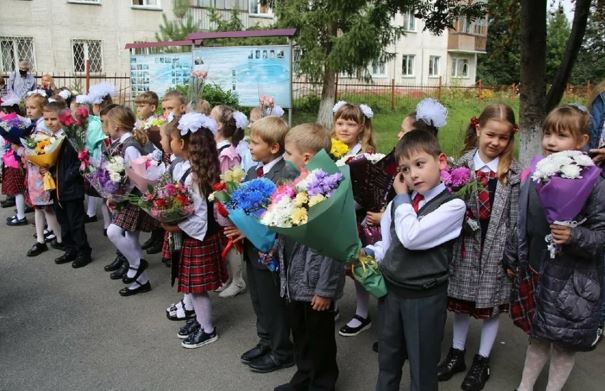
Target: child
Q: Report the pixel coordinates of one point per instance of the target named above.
(430, 115)
(419, 230)
(478, 286)
(231, 125)
(13, 174)
(129, 220)
(100, 96)
(41, 199)
(199, 106)
(568, 294)
(200, 267)
(274, 349)
(68, 196)
(310, 283)
(173, 102)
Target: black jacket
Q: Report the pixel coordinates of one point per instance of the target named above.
(66, 172)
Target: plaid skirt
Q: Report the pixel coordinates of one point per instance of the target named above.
(523, 298)
(13, 181)
(132, 218)
(468, 307)
(201, 268)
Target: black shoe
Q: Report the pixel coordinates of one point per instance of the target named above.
(477, 375)
(65, 258)
(266, 364)
(57, 246)
(15, 221)
(115, 265)
(142, 267)
(375, 346)
(49, 236)
(285, 387)
(190, 327)
(172, 312)
(453, 363)
(89, 219)
(141, 289)
(121, 272)
(9, 218)
(155, 248)
(199, 339)
(7, 203)
(81, 261)
(37, 249)
(254, 353)
(148, 243)
(105, 232)
(347, 331)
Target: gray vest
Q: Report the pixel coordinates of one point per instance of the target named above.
(143, 149)
(417, 272)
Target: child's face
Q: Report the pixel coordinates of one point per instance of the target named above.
(96, 109)
(296, 156)
(177, 147)
(104, 125)
(215, 114)
(262, 151)
(406, 126)
(564, 140)
(172, 106)
(45, 81)
(51, 120)
(254, 116)
(347, 131)
(32, 110)
(421, 170)
(165, 142)
(145, 110)
(493, 138)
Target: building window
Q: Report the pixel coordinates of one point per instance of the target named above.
(84, 50)
(14, 49)
(407, 67)
(378, 69)
(481, 26)
(256, 8)
(460, 67)
(409, 22)
(155, 4)
(205, 3)
(466, 26)
(85, 1)
(434, 66)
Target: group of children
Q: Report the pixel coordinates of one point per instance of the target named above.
(436, 251)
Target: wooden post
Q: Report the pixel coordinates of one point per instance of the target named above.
(588, 91)
(392, 94)
(439, 89)
(87, 75)
(480, 83)
(336, 89)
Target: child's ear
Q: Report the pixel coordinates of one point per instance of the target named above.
(583, 141)
(274, 148)
(478, 130)
(442, 158)
(307, 156)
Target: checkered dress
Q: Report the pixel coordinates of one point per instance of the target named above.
(201, 268)
(132, 218)
(13, 181)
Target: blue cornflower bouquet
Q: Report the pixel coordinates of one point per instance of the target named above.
(252, 197)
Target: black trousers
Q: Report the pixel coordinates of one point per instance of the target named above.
(272, 324)
(314, 347)
(70, 215)
(410, 329)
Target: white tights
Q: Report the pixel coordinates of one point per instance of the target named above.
(489, 331)
(203, 310)
(46, 216)
(561, 363)
(128, 244)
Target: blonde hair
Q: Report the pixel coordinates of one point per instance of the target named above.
(199, 106)
(51, 81)
(148, 97)
(568, 117)
(123, 118)
(38, 100)
(351, 112)
(309, 137)
(271, 130)
(257, 112)
(174, 95)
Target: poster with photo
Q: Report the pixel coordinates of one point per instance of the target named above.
(159, 72)
(249, 71)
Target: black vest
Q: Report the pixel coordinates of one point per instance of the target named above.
(417, 273)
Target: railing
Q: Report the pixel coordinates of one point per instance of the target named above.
(201, 16)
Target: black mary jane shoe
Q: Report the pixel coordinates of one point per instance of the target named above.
(57, 246)
(37, 249)
(7, 203)
(131, 292)
(142, 267)
(115, 265)
(16, 221)
(121, 272)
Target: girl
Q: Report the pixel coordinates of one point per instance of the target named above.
(44, 213)
(478, 286)
(231, 126)
(199, 260)
(129, 220)
(48, 85)
(353, 126)
(13, 173)
(568, 293)
(430, 115)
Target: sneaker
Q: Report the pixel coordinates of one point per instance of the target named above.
(452, 364)
(37, 249)
(234, 289)
(477, 375)
(348, 331)
(190, 327)
(199, 338)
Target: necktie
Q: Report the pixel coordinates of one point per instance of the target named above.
(483, 196)
(416, 202)
(260, 172)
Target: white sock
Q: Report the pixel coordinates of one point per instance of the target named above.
(203, 311)
(20, 203)
(91, 206)
(128, 244)
(106, 216)
(39, 221)
(489, 331)
(188, 301)
(53, 223)
(363, 302)
(461, 325)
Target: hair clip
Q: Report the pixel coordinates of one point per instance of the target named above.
(475, 122)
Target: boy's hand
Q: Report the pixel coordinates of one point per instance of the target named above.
(319, 303)
(373, 218)
(234, 234)
(560, 234)
(399, 185)
(171, 228)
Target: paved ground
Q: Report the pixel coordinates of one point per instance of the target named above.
(66, 329)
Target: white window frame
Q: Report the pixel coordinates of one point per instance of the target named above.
(268, 14)
(15, 52)
(381, 67)
(147, 6)
(86, 43)
(409, 22)
(88, 2)
(409, 60)
(458, 67)
(434, 66)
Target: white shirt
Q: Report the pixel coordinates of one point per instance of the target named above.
(355, 150)
(222, 144)
(432, 230)
(195, 225)
(243, 149)
(130, 153)
(267, 167)
(480, 165)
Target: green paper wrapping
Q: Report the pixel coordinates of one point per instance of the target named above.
(369, 276)
(331, 229)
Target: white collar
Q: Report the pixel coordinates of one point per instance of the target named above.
(432, 193)
(355, 150)
(267, 167)
(125, 137)
(480, 165)
(222, 144)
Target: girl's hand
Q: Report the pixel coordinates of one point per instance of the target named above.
(560, 234)
(15, 147)
(598, 155)
(111, 204)
(171, 228)
(42, 171)
(373, 218)
(319, 303)
(399, 184)
(234, 234)
(510, 273)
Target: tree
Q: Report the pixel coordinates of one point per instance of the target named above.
(556, 37)
(590, 65)
(177, 29)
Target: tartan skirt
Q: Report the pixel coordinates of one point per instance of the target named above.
(468, 307)
(13, 181)
(523, 298)
(201, 268)
(132, 218)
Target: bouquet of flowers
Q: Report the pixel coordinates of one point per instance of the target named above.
(168, 202)
(146, 171)
(338, 150)
(108, 177)
(14, 127)
(75, 125)
(319, 205)
(458, 180)
(268, 106)
(366, 271)
(43, 150)
(196, 86)
(564, 181)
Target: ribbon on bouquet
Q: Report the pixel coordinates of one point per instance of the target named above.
(84, 158)
(230, 244)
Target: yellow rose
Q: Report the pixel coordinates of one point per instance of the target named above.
(227, 176)
(338, 149)
(299, 216)
(301, 199)
(238, 174)
(316, 199)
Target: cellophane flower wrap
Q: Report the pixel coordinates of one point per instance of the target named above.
(325, 220)
(107, 176)
(564, 182)
(75, 126)
(43, 150)
(146, 171)
(367, 273)
(168, 202)
(13, 128)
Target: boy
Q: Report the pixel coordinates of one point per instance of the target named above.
(310, 283)
(173, 102)
(274, 350)
(414, 261)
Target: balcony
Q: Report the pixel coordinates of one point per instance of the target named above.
(461, 42)
(201, 16)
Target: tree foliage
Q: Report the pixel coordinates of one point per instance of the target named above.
(590, 65)
(176, 30)
(557, 33)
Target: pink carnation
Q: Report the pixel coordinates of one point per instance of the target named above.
(283, 191)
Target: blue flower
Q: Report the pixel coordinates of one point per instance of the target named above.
(253, 196)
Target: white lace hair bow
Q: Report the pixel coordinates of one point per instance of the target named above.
(431, 112)
(192, 122)
(366, 110)
(37, 92)
(338, 105)
(241, 121)
(99, 91)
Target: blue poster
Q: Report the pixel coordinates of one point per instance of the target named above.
(249, 71)
(159, 72)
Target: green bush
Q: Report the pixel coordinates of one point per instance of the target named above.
(214, 94)
(309, 103)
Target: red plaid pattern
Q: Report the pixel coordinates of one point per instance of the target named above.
(132, 218)
(13, 181)
(166, 254)
(523, 298)
(485, 204)
(201, 268)
(468, 307)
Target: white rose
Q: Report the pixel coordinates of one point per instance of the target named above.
(571, 171)
(115, 177)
